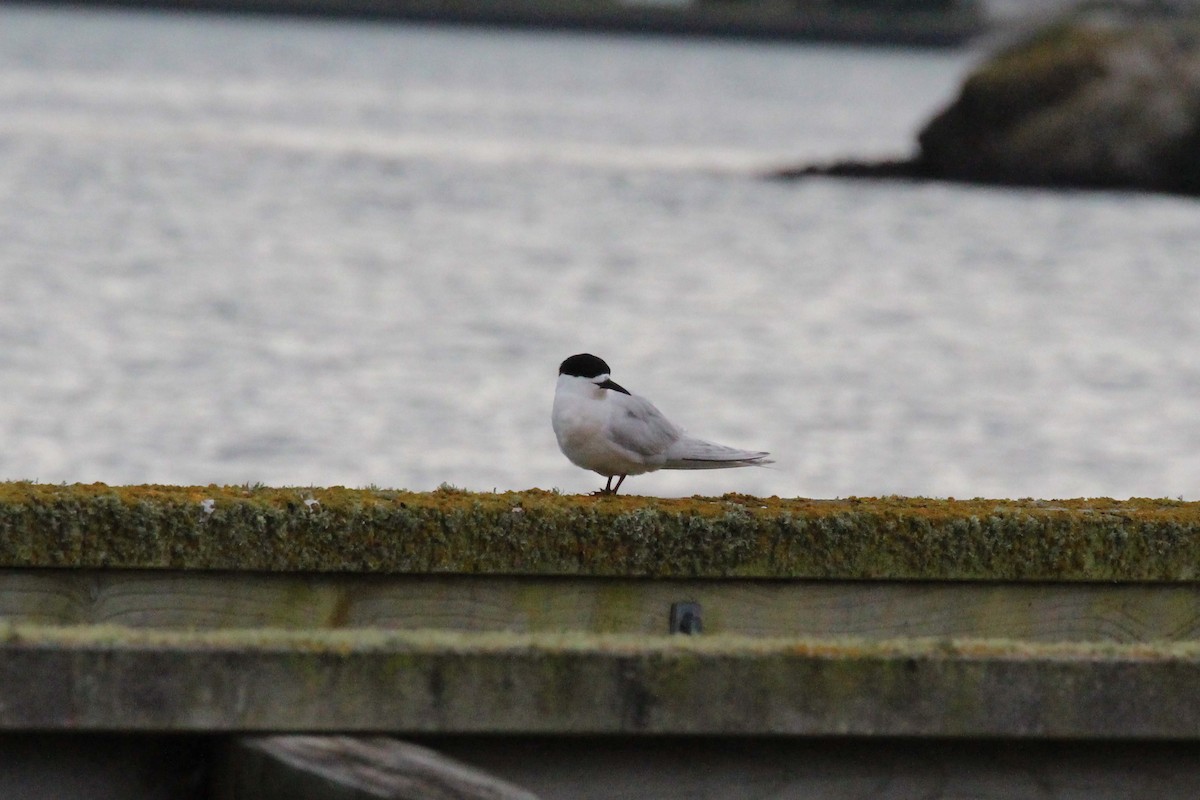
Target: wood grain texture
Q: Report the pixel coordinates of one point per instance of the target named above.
(872, 609)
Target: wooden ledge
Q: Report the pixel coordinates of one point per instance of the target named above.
(544, 533)
(432, 682)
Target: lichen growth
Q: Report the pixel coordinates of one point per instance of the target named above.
(537, 532)
(1058, 55)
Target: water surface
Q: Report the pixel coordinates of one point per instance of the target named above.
(297, 252)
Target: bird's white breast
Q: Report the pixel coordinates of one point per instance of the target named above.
(581, 419)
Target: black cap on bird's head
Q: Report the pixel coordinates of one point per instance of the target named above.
(584, 365)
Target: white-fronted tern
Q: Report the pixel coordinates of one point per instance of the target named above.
(603, 427)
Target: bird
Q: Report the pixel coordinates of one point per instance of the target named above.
(602, 426)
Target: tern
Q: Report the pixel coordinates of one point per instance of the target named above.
(603, 427)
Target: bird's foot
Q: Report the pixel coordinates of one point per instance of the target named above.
(608, 487)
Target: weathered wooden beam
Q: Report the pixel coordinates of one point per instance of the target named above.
(543, 533)
(1042, 612)
(109, 678)
(349, 768)
(803, 768)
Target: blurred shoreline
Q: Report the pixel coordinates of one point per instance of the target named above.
(903, 24)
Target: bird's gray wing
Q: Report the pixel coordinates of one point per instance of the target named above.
(636, 425)
(689, 453)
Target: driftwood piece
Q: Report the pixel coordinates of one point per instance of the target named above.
(350, 768)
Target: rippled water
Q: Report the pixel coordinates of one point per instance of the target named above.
(303, 253)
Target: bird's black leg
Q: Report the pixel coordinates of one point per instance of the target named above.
(609, 488)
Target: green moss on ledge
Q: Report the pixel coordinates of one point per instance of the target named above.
(544, 533)
(375, 640)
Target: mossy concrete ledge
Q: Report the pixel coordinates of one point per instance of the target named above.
(433, 682)
(545, 533)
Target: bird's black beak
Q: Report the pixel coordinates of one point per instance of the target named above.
(616, 387)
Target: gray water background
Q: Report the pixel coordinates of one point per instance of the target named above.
(313, 253)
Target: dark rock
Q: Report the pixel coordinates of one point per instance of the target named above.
(1089, 103)
(1085, 104)
(900, 168)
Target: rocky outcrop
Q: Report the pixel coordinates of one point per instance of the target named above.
(1080, 105)
(1092, 103)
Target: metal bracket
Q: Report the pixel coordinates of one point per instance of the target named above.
(686, 618)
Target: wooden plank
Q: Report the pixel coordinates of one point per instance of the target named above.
(547, 534)
(108, 678)
(349, 768)
(879, 610)
(107, 766)
(819, 769)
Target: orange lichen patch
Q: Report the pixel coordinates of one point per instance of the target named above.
(546, 533)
